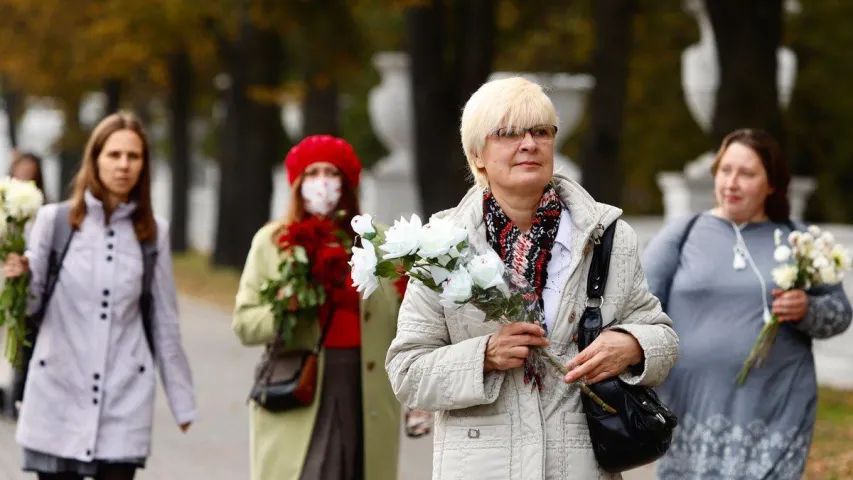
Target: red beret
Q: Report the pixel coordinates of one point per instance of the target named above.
(323, 148)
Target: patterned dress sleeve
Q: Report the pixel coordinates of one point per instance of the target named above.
(829, 312)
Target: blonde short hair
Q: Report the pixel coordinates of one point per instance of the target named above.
(513, 101)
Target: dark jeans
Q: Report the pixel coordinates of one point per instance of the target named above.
(115, 471)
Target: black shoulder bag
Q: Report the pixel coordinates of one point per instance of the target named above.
(288, 380)
(641, 430)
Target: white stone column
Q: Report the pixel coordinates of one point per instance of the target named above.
(692, 190)
(390, 189)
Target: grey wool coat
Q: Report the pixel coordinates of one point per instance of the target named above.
(90, 390)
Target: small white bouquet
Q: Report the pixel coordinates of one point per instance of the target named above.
(19, 202)
(809, 259)
(438, 256)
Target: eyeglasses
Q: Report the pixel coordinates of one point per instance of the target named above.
(538, 132)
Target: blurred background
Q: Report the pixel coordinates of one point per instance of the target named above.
(645, 91)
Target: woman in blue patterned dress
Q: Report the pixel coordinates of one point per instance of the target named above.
(712, 275)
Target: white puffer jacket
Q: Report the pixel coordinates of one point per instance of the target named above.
(492, 426)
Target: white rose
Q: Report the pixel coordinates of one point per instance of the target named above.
(782, 253)
(402, 239)
(487, 270)
(814, 231)
(363, 265)
(785, 276)
(363, 224)
(457, 289)
(439, 237)
(22, 199)
(828, 237)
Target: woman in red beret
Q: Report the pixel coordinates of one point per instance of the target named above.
(351, 429)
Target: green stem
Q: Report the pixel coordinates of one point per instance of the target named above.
(760, 348)
(555, 361)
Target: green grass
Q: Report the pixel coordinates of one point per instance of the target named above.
(831, 456)
(196, 278)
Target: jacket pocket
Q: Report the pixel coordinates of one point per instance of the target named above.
(475, 447)
(569, 454)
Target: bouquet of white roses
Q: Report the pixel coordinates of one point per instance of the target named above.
(810, 259)
(438, 256)
(19, 202)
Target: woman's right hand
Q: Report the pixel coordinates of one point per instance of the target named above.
(509, 347)
(15, 266)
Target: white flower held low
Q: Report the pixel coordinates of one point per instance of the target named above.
(785, 276)
(813, 259)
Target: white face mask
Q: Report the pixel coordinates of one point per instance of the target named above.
(321, 194)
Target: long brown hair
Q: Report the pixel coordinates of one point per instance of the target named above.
(87, 177)
(348, 204)
(777, 206)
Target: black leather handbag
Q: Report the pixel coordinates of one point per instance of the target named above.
(641, 430)
(285, 380)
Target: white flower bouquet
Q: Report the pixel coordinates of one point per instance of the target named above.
(19, 202)
(438, 256)
(811, 258)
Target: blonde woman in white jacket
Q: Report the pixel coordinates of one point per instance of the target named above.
(491, 425)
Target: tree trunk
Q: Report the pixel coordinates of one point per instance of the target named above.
(12, 101)
(112, 89)
(253, 133)
(180, 78)
(747, 36)
(475, 47)
(73, 144)
(439, 95)
(320, 107)
(600, 155)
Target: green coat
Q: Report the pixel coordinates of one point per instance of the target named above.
(279, 441)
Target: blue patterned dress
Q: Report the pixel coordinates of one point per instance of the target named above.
(763, 429)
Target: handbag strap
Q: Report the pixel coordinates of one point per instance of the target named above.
(597, 278)
(326, 329)
(591, 322)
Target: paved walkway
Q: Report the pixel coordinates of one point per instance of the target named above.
(216, 447)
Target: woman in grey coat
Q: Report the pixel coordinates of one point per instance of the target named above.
(89, 397)
(712, 275)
